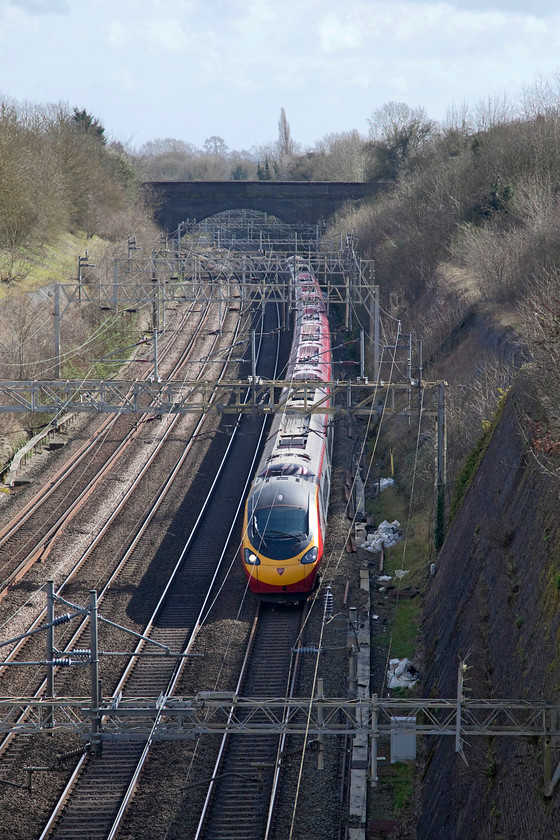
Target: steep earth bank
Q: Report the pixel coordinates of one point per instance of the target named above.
(495, 600)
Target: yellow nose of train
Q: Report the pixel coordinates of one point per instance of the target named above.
(279, 579)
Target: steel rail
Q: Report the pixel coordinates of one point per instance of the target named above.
(282, 630)
(199, 620)
(113, 516)
(43, 547)
(283, 737)
(226, 738)
(163, 491)
(129, 670)
(7, 530)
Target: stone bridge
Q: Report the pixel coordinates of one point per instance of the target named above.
(293, 202)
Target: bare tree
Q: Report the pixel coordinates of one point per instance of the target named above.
(216, 146)
(168, 159)
(340, 157)
(398, 133)
(397, 120)
(540, 327)
(491, 112)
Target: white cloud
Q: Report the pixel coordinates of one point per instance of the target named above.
(362, 80)
(400, 84)
(330, 64)
(541, 8)
(336, 35)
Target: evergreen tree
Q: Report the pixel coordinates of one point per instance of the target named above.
(89, 125)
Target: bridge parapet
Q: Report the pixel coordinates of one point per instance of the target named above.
(294, 202)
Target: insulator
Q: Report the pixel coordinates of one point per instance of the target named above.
(63, 661)
(62, 619)
(69, 756)
(305, 650)
(81, 652)
(329, 602)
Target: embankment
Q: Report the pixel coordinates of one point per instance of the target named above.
(495, 600)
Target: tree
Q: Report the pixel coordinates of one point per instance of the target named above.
(285, 142)
(263, 172)
(168, 159)
(89, 125)
(167, 146)
(216, 146)
(285, 148)
(239, 173)
(340, 157)
(398, 133)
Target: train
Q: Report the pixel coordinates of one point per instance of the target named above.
(286, 509)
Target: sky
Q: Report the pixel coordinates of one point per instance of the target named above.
(192, 69)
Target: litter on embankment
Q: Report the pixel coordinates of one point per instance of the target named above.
(401, 674)
(385, 536)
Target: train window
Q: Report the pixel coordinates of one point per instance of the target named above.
(303, 376)
(310, 333)
(281, 521)
(308, 354)
(299, 396)
(326, 486)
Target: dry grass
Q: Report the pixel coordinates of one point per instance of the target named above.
(49, 264)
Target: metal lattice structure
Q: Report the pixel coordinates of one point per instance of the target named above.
(360, 398)
(218, 713)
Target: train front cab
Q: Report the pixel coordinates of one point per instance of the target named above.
(283, 542)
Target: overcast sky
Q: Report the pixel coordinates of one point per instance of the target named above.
(190, 69)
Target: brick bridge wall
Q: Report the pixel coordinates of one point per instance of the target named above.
(293, 202)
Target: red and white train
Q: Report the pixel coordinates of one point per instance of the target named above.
(286, 510)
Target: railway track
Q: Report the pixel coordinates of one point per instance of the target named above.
(176, 450)
(29, 537)
(95, 537)
(137, 548)
(240, 800)
(90, 807)
(98, 795)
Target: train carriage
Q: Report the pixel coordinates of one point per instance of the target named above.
(286, 510)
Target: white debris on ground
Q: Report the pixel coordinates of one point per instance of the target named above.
(401, 674)
(383, 483)
(400, 573)
(386, 535)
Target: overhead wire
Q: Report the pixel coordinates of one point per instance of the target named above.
(409, 514)
(323, 623)
(330, 568)
(405, 542)
(99, 443)
(394, 366)
(99, 331)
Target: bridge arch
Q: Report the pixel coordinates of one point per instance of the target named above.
(293, 202)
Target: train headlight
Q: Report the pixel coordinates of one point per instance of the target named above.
(251, 558)
(310, 556)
